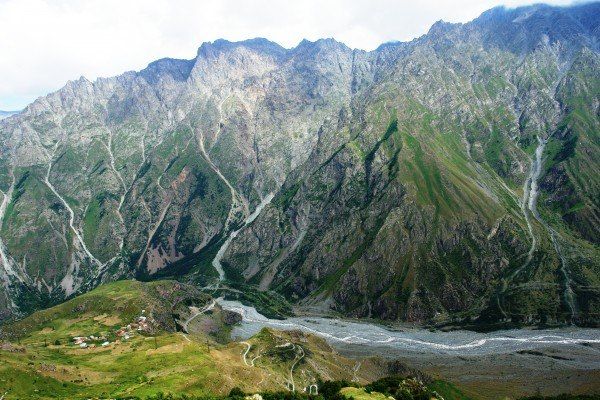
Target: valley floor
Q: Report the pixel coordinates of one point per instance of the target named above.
(130, 339)
(549, 372)
(510, 363)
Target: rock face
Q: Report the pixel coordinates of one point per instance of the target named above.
(451, 177)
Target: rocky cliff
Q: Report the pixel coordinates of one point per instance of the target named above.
(453, 177)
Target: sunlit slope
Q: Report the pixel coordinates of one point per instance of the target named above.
(41, 359)
(450, 179)
(424, 201)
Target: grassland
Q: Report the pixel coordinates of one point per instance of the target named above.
(39, 358)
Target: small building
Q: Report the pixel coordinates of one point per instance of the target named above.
(79, 339)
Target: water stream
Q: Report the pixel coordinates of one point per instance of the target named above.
(5, 201)
(71, 216)
(538, 163)
(529, 207)
(216, 263)
(111, 155)
(532, 206)
(9, 271)
(529, 202)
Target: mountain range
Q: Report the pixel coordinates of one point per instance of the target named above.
(4, 114)
(449, 179)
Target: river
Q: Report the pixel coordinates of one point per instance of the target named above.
(460, 342)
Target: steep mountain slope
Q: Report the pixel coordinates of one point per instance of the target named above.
(451, 177)
(422, 201)
(126, 175)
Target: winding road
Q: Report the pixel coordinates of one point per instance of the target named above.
(199, 312)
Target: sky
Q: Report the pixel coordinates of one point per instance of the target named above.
(44, 43)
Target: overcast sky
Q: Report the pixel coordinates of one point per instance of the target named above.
(44, 43)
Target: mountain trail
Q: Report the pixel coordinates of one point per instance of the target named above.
(296, 361)
(245, 353)
(196, 314)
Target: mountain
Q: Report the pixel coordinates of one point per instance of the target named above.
(5, 114)
(450, 179)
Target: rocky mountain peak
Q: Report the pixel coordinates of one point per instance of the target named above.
(397, 178)
(521, 29)
(321, 45)
(259, 45)
(440, 27)
(177, 69)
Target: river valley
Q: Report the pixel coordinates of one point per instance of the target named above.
(522, 361)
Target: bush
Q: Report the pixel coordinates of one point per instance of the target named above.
(236, 392)
(330, 390)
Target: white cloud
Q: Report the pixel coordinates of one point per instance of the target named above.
(44, 43)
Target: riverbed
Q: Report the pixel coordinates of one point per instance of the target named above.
(513, 362)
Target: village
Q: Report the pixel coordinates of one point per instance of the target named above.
(124, 333)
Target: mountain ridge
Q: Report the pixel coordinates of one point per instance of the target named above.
(6, 114)
(408, 162)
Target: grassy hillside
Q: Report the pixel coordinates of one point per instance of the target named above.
(105, 308)
(137, 347)
(127, 355)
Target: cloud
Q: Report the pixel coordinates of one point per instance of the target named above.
(45, 43)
